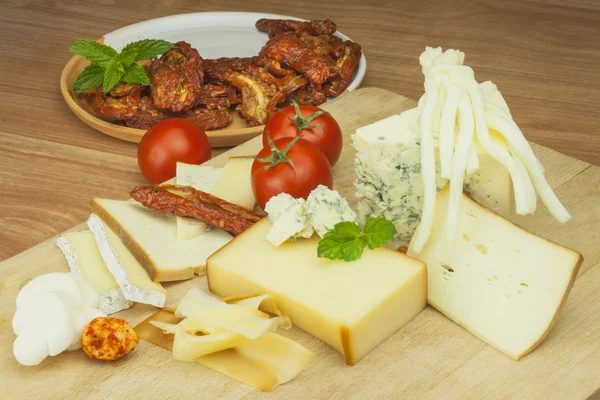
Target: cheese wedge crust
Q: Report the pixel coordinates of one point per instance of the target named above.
(352, 306)
(502, 283)
(131, 277)
(151, 237)
(83, 258)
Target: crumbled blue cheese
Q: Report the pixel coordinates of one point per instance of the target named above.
(325, 208)
(296, 218)
(288, 219)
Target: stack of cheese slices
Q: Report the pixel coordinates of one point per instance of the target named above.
(129, 249)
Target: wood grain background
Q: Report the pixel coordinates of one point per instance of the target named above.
(543, 55)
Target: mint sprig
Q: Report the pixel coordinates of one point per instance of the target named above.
(109, 66)
(346, 241)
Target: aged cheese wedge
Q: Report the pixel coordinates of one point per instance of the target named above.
(152, 238)
(83, 257)
(353, 306)
(200, 177)
(501, 283)
(129, 274)
(235, 185)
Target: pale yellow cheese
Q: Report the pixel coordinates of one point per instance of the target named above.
(200, 177)
(503, 284)
(353, 306)
(151, 236)
(234, 184)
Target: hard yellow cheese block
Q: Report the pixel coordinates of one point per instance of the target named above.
(503, 284)
(353, 306)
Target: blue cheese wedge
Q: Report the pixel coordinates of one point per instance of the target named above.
(199, 177)
(325, 208)
(129, 274)
(83, 258)
(288, 219)
(389, 181)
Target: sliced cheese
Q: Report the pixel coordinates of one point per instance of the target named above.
(83, 258)
(200, 177)
(151, 236)
(501, 283)
(235, 184)
(353, 306)
(129, 274)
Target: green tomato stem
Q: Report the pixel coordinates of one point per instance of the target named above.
(301, 122)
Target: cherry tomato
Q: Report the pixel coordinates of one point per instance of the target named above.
(168, 142)
(314, 124)
(289, 165)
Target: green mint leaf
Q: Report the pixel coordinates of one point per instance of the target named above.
(352, 250)
(135, 74)
(89, 78)
(330, 246)
(97, 53)
(113, 74)
(347, 228)
(127, 58)
(378, 232)
(147, 49)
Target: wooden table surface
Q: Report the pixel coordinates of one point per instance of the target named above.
(544, 55)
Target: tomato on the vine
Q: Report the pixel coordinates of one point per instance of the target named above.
(168, 142)
(289, 165)
(313, 124)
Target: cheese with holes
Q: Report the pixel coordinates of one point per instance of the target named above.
(83, 258)
(389, 181)
(353, 306)
(234, 184)
(200, 177)
(501, 283)
(131, 277)
(151, 236)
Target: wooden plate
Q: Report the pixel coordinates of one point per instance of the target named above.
(238, 38)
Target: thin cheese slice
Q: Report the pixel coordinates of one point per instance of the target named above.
(501, 283)
(83, 258)
(353, 306)
(235, 184)
(131, 277)
(264, 363)
(151, 237)
(200, 177)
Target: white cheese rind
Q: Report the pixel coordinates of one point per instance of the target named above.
(200, 177)
(389, 181)
(112, 300)
(105, 239)
(501, 283)
(325, 208)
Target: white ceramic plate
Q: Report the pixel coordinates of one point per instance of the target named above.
(214, 35)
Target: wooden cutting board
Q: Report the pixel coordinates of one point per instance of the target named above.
(430, 358)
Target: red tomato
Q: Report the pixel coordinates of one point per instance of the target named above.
(168, 142)
(273, 172)
(314, 124)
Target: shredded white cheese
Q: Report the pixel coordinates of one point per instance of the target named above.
(454, 113)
